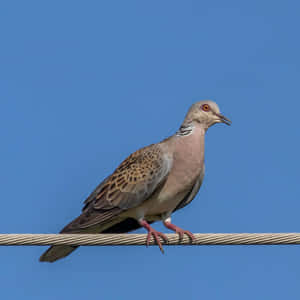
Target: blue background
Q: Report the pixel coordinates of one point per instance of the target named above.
(85, 83)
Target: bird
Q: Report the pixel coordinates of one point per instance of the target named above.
(149, 185)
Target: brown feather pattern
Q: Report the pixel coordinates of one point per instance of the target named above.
(136, 178)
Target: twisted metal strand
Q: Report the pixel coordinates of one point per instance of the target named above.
(140, 239)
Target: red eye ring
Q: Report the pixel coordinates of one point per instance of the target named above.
(205, 107)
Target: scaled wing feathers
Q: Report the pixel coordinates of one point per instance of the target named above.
(131, 184)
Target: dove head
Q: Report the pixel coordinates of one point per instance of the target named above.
(206, 113)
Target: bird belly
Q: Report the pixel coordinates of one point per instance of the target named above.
(158, 206)
(163, 202)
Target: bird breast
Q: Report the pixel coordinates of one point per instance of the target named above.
(188, 162)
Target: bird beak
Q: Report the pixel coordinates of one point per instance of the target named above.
(223, 119)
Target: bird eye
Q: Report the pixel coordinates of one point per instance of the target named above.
(205, 107)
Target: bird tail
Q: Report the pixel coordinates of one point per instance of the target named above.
(56, 252)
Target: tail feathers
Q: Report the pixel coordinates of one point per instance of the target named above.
(57, 252)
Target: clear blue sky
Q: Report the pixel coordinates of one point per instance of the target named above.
(85, 83)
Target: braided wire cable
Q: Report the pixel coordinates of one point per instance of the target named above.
(140, 239)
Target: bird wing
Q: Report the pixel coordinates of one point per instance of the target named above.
(193, 192)
(132, 183)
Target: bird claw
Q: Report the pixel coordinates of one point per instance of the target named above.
(156, 235)
(182, 232)
(179, 231)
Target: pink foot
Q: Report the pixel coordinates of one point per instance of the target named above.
(155, 234)
(180, 231)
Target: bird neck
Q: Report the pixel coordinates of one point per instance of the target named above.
(185, 129)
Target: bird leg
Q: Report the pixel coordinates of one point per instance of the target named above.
(181, 232)
(153, 233)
